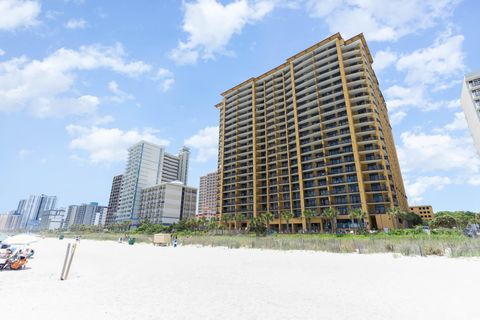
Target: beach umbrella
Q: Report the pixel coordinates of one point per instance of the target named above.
(21, 239)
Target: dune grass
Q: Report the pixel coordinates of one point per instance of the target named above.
(420, 245)
(452, 245)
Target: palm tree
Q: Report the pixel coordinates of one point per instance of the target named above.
(331, 215)
(395, 213)
(267, 217)
(309, 214)
(202, 223)
(359, 215)
(239, 218)
(287, 215)
(224, 219)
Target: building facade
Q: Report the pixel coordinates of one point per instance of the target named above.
(31, 209)
(168, 203)
(207, 195)
(71, 215)
(470, 101)
(52, 219)
(85, 214)
(424, 212)
(148, 165)
(114, 199)
(312, 134)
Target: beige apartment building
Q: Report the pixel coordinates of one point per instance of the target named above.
(207, 195)
(424, 212)
(312, 133)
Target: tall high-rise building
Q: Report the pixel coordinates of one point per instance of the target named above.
(114, 199)
(148, 165)
(207, 194)
(312, 133)
(71, 216)
(86, 213)
(168, 203)
(31, 209)
(470, 101)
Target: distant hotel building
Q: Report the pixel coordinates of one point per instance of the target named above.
(148, 165)
(207, 195)
(89, 214)
(424, 212)
(52, 219)
(470, 101)
(312, 133)
(71, 215)
(31, 210)
(114, 199)
(167, 203)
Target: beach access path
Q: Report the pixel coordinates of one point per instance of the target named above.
(109, 280)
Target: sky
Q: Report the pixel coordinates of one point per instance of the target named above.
(82, 80)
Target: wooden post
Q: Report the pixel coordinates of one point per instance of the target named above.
(74, 246)
(65, 262)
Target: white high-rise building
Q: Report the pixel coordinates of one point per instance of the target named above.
(471, 105)
(148, 165)
(32, 209)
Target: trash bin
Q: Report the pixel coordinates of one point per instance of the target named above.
(131, 241)
(60, 237)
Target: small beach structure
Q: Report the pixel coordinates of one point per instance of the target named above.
(162, 239)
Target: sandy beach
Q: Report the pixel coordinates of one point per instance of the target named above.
(109, 280)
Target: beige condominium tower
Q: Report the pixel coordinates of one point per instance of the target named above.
(311, 134)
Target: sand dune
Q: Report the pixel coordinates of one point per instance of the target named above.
(116, 281)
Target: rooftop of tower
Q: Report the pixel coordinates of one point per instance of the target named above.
(301, 53)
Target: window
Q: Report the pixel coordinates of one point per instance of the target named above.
(476, 93)
(475, 83)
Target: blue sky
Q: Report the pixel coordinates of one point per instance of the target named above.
(81, 80)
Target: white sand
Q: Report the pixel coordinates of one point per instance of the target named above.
(116, 281)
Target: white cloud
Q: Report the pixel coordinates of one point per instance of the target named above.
(474, 180)
(107, 145)
(210, 26)
(434, 64)
(53, 14)
(381, 20)
(101, 120)
(76, 24)
(404, 97)
(431, 69)
(458, 123)
(18, 13)
(205, 142)
(119, 95)
(166, 79)
(2, 52)
(421, 152)
(397, 117)
(60, 107)
(384, 59)
(422, 184)
(44, 87)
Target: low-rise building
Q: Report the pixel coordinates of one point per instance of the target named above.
(167, 203)
(424, 212)
(52, 219)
